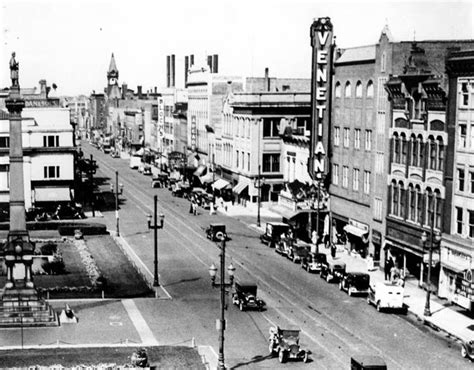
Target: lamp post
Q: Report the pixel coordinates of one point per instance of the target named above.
(117, 192)
(155, 227)
(220, 324)
(435, 237)
(258, 184)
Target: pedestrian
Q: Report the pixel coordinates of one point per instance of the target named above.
(388, 267)
(194, 205)
(333, 250)
(191, 209)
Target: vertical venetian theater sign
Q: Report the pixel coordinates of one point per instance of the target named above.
(193, 133)
(321, 74)
(161, 122)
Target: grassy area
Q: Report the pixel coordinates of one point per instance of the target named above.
(164, 357)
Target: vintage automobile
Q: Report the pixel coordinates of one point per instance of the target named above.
(386, 295)
(313, 261)
(298, 250)
(147, 170)
(366, 362)
(285, 344)
(160, 181)
(181, 190)
(332, 270)
(467, 349)
(282, 247)
(273, 231)
(355, 283)
(245, 296)
(216, 232)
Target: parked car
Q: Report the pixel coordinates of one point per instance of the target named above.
(366, 362)
(332, 270)
(467, 349)
(147, 170)
(115, 154)
(216, 232)
(313, 261)
(298, 250)
(205, 200)
(285, 344)
(245, 296)
(273, 231)
(160, 181)
(283, 246)
(355, 283)
(384, 295)
(181, 190)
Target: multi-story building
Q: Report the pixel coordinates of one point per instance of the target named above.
(48, 150)
(417, 200)
(457, 246)
(98, 115)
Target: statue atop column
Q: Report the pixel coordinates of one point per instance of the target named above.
(14, 66)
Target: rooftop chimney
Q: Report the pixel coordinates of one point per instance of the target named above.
(191, 60)
(215, 63)
(139, 91)
(266, 82)
(173, 71)
(186, 67)
(209, 62)
(168, 62)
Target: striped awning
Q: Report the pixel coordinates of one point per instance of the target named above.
(240, 187)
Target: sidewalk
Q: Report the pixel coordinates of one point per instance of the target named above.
(443, 317)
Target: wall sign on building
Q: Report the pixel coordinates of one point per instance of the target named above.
(193, 133)
(161, 117)
(321, 73)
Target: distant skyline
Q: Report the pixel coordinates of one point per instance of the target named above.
(70, 42)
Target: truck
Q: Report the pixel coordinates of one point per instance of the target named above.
(135, 161)
(385, 295)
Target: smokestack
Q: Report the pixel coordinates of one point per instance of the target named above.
(139, 92)
(186, 67)
(209, 62)
(156, 90)
(168, 61)
(191, 60)
(173, 71)
(215, 63)
(266, 81)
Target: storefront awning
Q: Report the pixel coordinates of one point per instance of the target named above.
(239, 188)
(59, 194)
(220, 184)
(200, 170)
(355, 231)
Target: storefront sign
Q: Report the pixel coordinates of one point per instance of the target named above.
(161, 117)
(376, 237)
(193, 133)
(359, 225)
(321, 42)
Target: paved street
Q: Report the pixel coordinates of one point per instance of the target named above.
(334, 325)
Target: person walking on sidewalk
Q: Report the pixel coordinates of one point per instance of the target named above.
(333, 250)
(388, 267)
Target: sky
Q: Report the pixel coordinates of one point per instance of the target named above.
(70, 43)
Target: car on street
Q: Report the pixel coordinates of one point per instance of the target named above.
(313, 262)
(385, 295)
(245, 296)
(298, 251)
(367, 362)
(181, 190)
(285, 343)
(355, 283)
(216, 232)
(467, 349)
(332, 271)
(160, 181)
(147, 170)
(273, 231)
(283, 246)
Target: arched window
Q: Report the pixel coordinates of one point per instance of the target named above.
(396, 148)
(359, 89)
(441, 154)
(337, 90)
(370, 89)
(414, 151)
(421, 151)
(395, 199)
(347, 90)
(432, 153)
(419, 204)
(402, 200)
(438, 208)
(429, 204)
(411, 203)
(403, 144)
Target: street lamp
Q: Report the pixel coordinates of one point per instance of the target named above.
(259, 181)
(118, 190)
(155, 228)
(435, 237)
(220, 324)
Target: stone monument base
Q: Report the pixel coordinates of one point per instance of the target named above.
(22, 307)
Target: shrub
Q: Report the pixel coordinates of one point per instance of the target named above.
(48, 249)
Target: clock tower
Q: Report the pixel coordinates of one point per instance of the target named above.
(113, 91)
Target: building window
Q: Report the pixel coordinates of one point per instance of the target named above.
(368, 139)
(359, 89)
(432, 153)
(337, 136)
(403, 143)
(438, 206)
(460, 179)
(419, 204)
(51, 172)
(335, 174)
(414, 151)
(271, 162)
(396, 149)
(383, 62)
(462, 135)
(345, 176)
(472, 136)
(347, 90)
(429, 208)
(378, 209)
(346, 137)
(4, 177)
(370, 89)
(248, 161)
(379, 159)
(4, 142)
(366, 182)
(355, 179)
(357, 138)
(459, 221)
(471, 174)
(270, 127)
(411, 203)
(243, 159)
(471, 223)
(237, 158)
(440, 159)
(337, 90)
(395, 199)
(464, 101)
